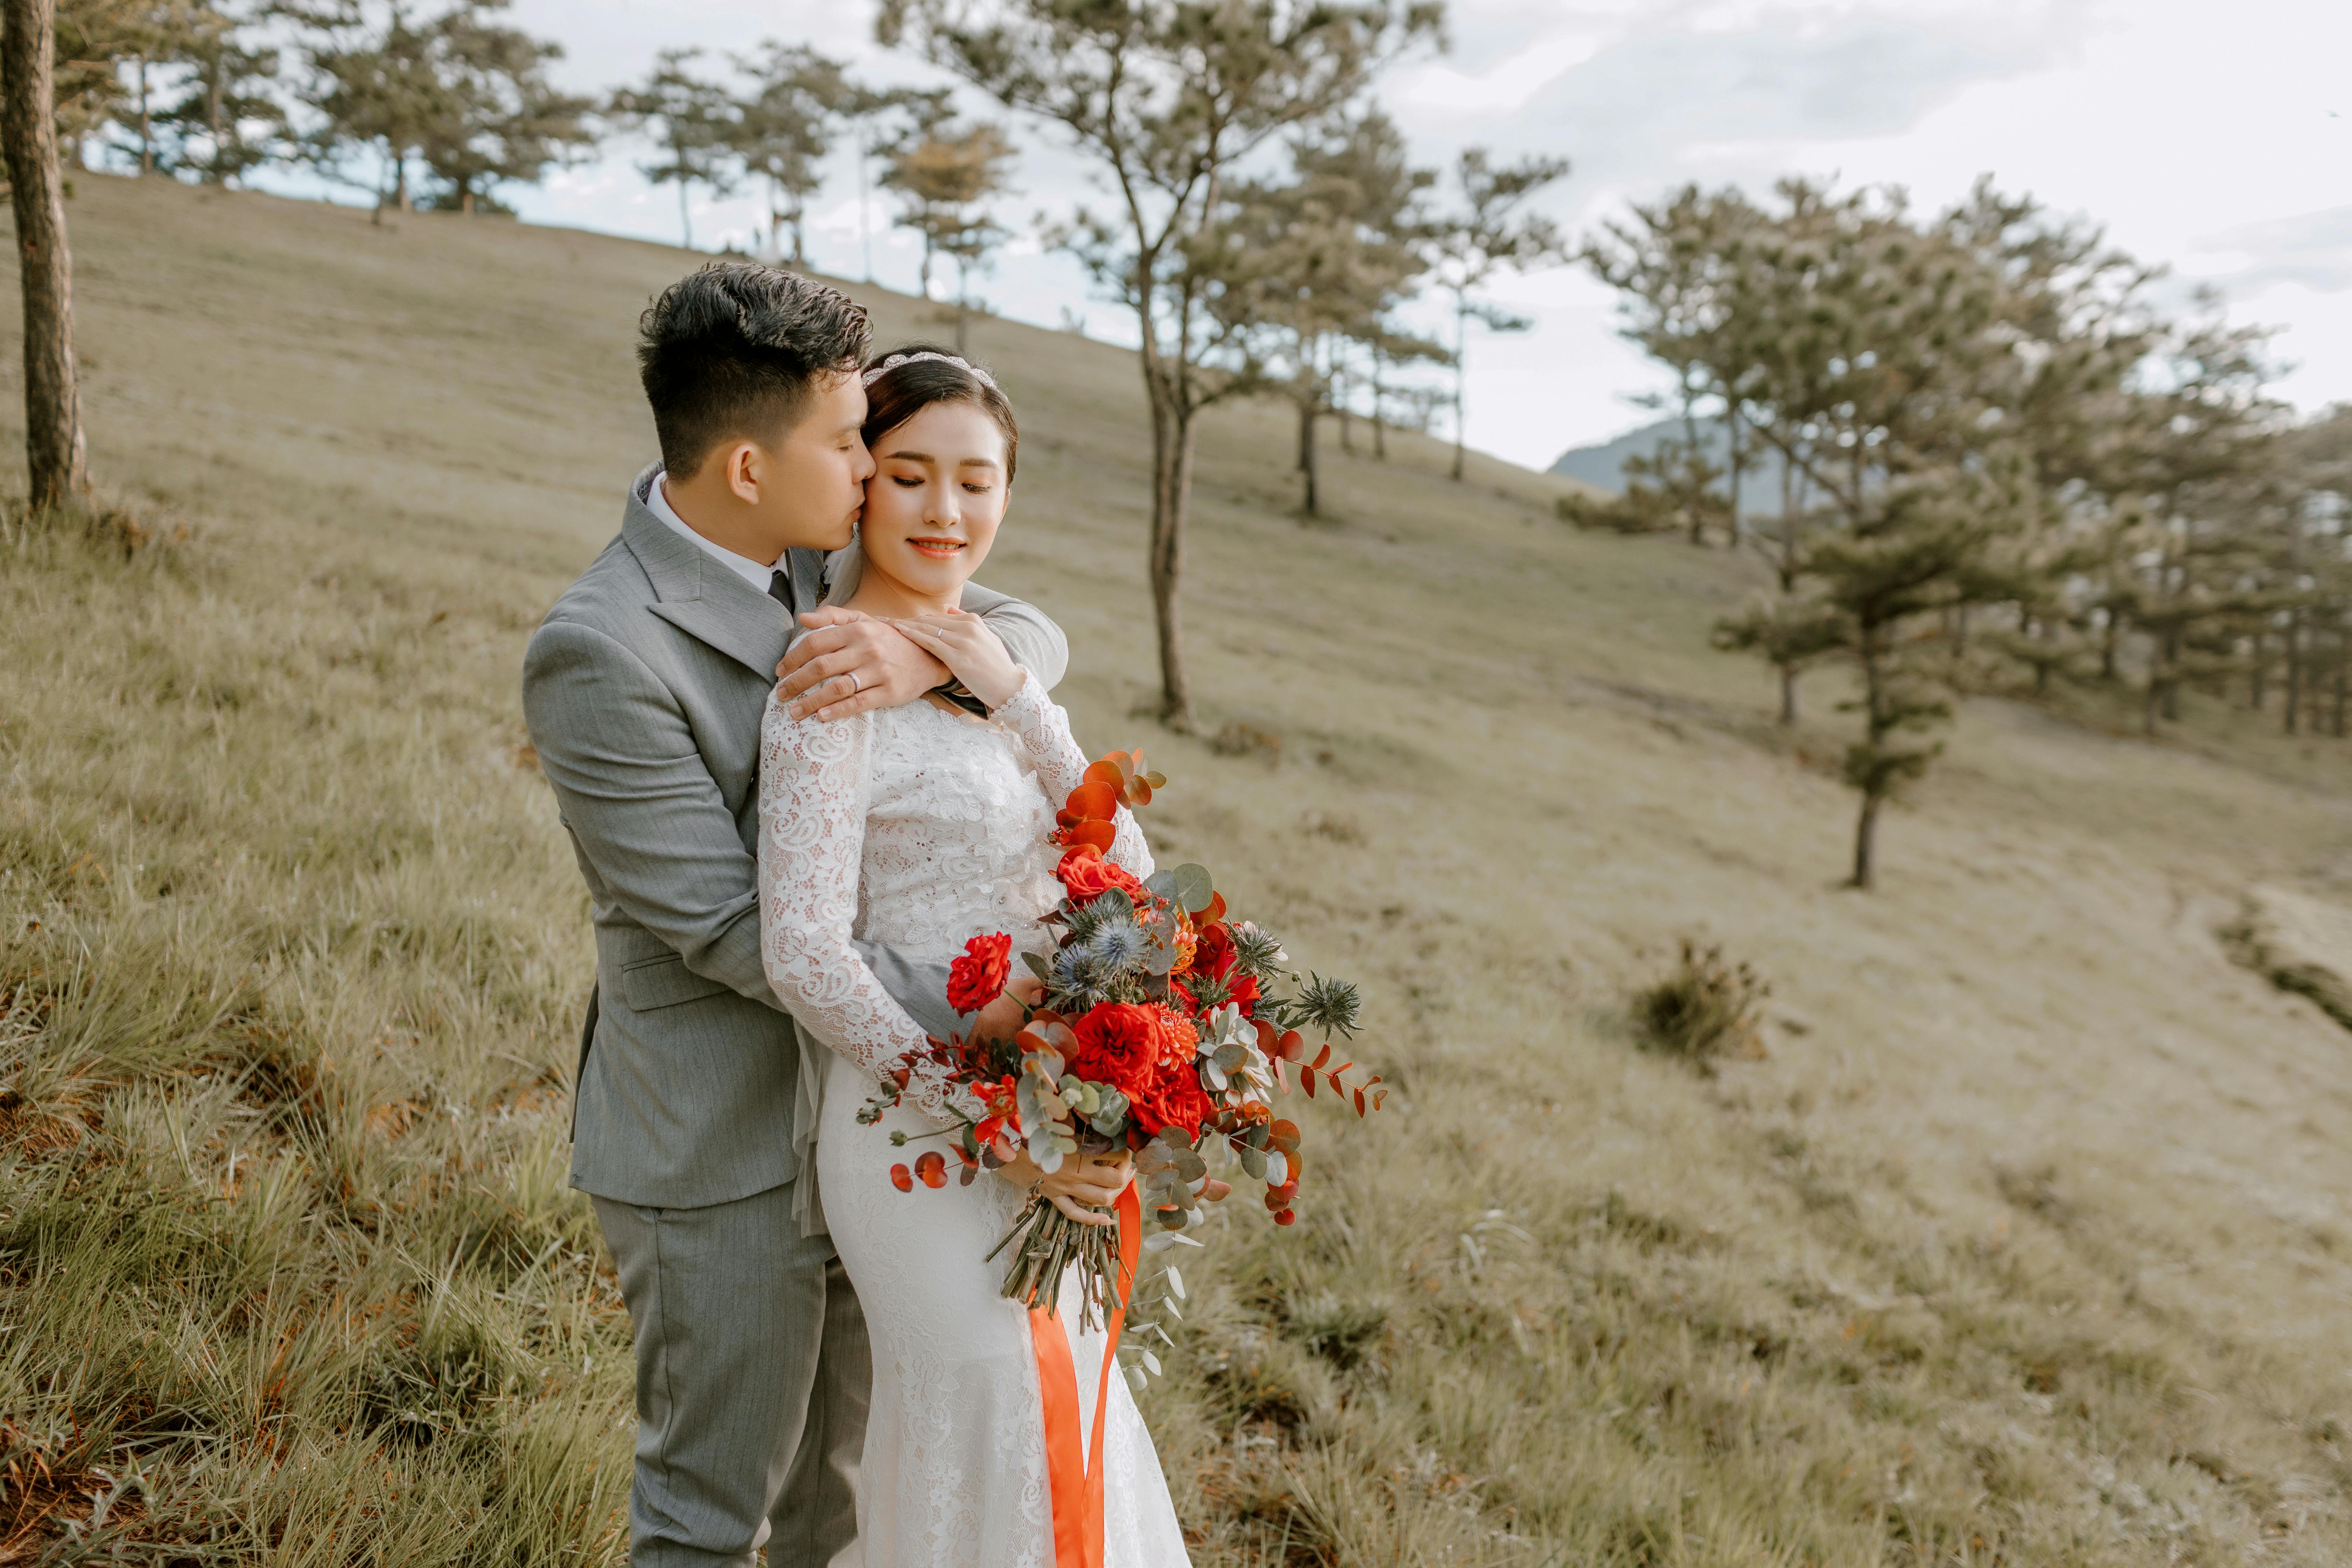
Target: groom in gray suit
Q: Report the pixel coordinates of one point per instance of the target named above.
(644, 688)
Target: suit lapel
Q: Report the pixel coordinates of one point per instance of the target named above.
(699, 596)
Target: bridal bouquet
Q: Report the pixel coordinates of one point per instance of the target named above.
(1166, 1027)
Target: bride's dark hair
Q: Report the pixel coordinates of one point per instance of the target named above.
(903, 391)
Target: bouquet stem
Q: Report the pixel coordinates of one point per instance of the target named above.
(1046, 1244)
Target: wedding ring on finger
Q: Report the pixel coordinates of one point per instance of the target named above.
(856, 683)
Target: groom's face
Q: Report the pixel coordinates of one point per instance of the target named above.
(811, 484)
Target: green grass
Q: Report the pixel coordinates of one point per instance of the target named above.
(2026, 1243)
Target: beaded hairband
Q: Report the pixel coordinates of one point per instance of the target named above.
(895, 360)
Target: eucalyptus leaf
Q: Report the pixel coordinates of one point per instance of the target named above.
(1175, 1281)
(1110, 1114)
(1194, 887)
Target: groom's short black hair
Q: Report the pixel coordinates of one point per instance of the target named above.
(734, 350)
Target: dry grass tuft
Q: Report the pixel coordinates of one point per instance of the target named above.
(1703, 1009)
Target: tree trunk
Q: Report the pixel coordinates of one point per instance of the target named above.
(1788, 694)
(1734, 461)
(2172, 683)
(2294, 667)
(466, 198)
(1171, 495)
(213, 118)
(2254, 686)
(2342, 656)
(146, 124)
(1865, 844)
(1791, 505)
(1340, 407)
(56, 457)
(1461, 374)
(1306, 454)
(1875, 733)
(1380, 415)
(1690, 475)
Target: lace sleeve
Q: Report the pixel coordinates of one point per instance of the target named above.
(812, 839)
(1044, 731)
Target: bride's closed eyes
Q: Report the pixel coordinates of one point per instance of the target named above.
(916, 481)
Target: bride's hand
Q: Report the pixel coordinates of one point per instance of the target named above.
(965, 644)
(1082, 1188)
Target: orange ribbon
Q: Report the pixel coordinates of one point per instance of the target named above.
(1076, 1483)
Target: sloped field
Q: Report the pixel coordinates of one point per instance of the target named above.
(2026, 1241)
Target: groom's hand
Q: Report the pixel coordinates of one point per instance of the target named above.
(848, 663)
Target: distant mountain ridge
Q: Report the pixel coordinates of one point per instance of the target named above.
(1604, 465)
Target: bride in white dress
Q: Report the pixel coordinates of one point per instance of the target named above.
(920, 827)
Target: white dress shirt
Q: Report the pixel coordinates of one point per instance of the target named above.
(743, 566)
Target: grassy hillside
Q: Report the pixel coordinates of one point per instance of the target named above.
(2028, 1242)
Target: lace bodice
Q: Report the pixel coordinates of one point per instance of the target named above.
(914, 827)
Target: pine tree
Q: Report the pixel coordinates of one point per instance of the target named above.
(785, 128)
(1940, 393)
(1168, 100)
(1317, 262)
(377, 87)
(1487, 235)
(504, 121)
(946, 178)
(693, 123)
(227, 117)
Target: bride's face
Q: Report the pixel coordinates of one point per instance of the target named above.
(938, 493)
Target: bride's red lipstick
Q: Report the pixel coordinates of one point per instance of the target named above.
(941, 548)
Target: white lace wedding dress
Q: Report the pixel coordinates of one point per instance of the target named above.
(920, 828)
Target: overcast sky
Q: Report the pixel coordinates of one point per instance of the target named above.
(2216, 138)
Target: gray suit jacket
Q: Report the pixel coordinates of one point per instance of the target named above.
(644, 689)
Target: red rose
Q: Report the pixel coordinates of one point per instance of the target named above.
(1120, 1044)
(978, 977)
(1087, 876)
(1175, 1100)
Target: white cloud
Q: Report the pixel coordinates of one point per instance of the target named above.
(2200, 136)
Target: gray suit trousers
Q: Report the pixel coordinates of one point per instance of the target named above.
(753, 1377)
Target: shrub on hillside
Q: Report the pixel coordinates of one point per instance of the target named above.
(1703, 1009)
